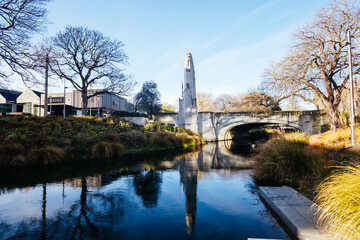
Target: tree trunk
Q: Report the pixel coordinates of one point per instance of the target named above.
(334, 118)
(84, 102)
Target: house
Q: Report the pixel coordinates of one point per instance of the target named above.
(31, 102)
(8, 101)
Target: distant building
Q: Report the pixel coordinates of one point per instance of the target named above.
(103, 104)
(30, 100)
(8, 101)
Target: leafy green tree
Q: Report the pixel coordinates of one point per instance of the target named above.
(148, 99)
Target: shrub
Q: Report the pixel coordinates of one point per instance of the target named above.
(286, 159)
(339, 202)
(180, 130)
(152, 127)
(158, 139)
(11, 155)
(167, 128)
(133, 138)
(184, 138)
(110, 136)
(46, 155)
(107, 150)
(81, 142)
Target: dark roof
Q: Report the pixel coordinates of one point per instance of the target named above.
(10, 95)
(37, 93)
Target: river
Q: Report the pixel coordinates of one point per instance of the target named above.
(204, 195)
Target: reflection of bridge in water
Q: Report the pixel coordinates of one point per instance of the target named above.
(93, 203)
(191, 166)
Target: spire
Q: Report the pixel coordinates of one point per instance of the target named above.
(188, 61)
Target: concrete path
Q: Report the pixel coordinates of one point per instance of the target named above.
(294, 210)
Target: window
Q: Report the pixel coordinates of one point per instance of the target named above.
(27, 108)
(4, 108)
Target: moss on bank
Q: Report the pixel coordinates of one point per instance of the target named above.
(24, 139)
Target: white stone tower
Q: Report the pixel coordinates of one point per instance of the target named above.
(187, 116)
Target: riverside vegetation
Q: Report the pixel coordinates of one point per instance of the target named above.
(30, 140)
(320, 167)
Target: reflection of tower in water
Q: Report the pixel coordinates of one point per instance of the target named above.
(188, 168)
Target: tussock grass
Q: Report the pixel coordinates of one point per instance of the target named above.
(46, 155)
(339, 202)
(287, 159)
(107, 150)
(298, 137)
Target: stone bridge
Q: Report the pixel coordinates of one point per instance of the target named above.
(216, 126)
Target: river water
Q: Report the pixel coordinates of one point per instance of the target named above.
(204, 195)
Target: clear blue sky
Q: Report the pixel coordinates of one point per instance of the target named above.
(232, 42)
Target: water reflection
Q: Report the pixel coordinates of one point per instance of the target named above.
(147, 186)
(144, 200)
(188, 169)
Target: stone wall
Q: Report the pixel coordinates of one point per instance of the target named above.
(166, 118)
(141, 121)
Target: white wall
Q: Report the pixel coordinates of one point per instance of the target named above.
(2, 99)
(28, 96)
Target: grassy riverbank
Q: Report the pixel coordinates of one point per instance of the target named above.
(302, 161)
(42, 141)
(322, 167)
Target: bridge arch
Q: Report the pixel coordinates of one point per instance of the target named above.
(224, 131)
(214, 125)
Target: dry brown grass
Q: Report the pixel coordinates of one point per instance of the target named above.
(337, 140)
(339, 202)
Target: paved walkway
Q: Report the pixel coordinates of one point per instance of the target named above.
(294, 210)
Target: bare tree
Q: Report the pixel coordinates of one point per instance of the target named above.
(88, 58)
(227, 103)
(316, 67)
(18, 20)
(256, 101)
(42, 58)
(205, 102)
